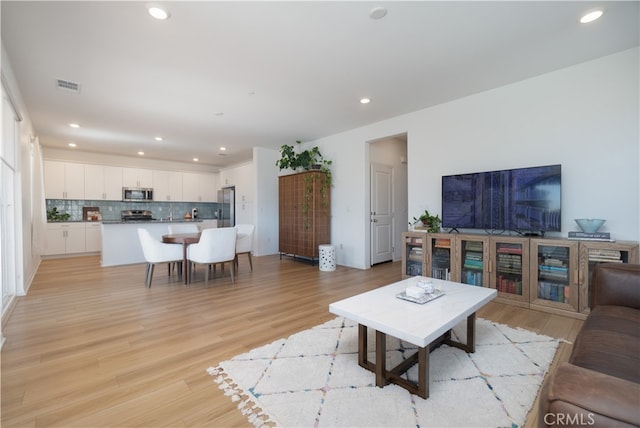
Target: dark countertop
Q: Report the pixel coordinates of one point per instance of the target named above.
(198, 220)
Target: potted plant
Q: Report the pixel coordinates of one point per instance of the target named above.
(307, 160)
(431, 222)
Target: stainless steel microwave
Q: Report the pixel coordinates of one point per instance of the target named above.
(137, 194)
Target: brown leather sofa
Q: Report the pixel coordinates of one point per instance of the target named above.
(600, 385)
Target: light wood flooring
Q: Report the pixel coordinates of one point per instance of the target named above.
(93, 347)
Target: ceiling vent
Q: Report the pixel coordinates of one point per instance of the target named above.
(68, 86)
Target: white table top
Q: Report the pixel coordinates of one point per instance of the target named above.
(418, 324)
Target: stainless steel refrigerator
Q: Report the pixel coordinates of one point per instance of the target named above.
(227, 207)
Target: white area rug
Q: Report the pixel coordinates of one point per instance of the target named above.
(312, 379)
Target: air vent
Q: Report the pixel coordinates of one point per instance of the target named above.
(66, 85)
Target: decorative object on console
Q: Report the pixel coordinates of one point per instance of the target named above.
(590, 225)
(431, 222)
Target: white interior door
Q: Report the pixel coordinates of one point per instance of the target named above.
(381, 213)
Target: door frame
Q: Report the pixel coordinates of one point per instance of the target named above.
(400, 209)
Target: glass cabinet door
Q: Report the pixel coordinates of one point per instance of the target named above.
(594, 253)
(472, 260)
(510, 269)
(439, 255)
(554, 271)
(413, 258)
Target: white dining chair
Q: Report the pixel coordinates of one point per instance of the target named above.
(244, 242)
(157, 252)
(183, 228)
(216, 246)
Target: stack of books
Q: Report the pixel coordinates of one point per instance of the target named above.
(591, 236)
(606, 256)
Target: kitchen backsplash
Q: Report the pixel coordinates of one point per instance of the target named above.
(110, 210)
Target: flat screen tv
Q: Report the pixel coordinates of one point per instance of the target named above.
(524, 200)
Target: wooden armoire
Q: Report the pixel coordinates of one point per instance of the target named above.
(304, 213)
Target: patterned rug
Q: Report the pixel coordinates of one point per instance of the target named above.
(312, 379)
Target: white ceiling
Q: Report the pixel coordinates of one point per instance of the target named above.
(244, 74)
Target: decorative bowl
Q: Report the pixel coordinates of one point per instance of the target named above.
(590, 225)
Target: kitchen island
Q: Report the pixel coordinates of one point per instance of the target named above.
(120, 242)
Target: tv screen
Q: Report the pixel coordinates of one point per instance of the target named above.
(523, 199)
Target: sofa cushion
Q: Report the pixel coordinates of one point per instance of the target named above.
(609, 342)
(590, 398)
(616, 284)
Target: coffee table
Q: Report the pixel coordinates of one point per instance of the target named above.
(426, 326)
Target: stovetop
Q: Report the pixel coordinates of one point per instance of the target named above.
(136, 215)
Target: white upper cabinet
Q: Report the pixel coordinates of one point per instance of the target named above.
(199, 187)
(135, 177)
(63, 180)
(103, 182)
(167, 186)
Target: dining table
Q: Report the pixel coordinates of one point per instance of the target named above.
(185, 239)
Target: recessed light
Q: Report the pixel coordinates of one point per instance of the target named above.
(72, 144)
(365, 100)
(591, 16)
(141, 153)
(74, 125)
(222, 149)
(158, 138)
(196, 159)
(378, 12)
(158, 13)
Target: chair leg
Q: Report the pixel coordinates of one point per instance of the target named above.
(146, 274)
(233, 268)
(250, 262)
(206, 275)
(150, 274)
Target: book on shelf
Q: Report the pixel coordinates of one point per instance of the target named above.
(591, 236)
(601, 235)
(442, 243)
(509, 250)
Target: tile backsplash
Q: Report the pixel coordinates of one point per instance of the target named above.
(110, 210)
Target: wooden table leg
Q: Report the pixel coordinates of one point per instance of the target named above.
(381, 359)
(471, 333)
(185, 264)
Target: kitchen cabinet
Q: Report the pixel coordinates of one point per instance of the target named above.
(136, 177)
(65, 238)
(199, 187)
(103, 182)
(93, 237)
(63, 180)
(208, 224)
(167, 186)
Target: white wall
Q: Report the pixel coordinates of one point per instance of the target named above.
(266, 200)
(29, 212)
(585, 117)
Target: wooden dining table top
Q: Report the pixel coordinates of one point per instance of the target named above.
(181, 238)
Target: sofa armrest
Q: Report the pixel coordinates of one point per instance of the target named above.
(575, 396)
(616, 284)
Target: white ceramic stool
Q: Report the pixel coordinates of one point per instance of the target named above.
(327, 257)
